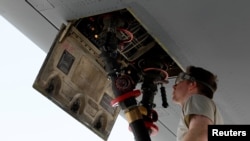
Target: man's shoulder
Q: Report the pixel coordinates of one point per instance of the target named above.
(198, 97)
(197, 101)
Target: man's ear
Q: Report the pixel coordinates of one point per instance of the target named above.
(192, 85)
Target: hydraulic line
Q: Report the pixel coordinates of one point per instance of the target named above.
(126, 101)
(124, 97)
(149, 89)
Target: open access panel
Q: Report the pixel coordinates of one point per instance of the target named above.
(73, 75)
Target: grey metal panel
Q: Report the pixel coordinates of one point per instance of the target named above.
(29, 22)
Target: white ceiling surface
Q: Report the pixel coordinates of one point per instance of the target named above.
(208, 33)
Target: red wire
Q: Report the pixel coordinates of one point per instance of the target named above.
(149, 125)
(154, 128)
(157, 69)
(125, 96)
(128, 33)
(131, 37)
(154, 115)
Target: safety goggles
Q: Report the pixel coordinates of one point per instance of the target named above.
(183, 76)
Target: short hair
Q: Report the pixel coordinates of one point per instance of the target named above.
(206, 80)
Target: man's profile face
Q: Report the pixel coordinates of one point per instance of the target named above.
(180, 91)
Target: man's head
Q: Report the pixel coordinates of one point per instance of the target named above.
(195, 80)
